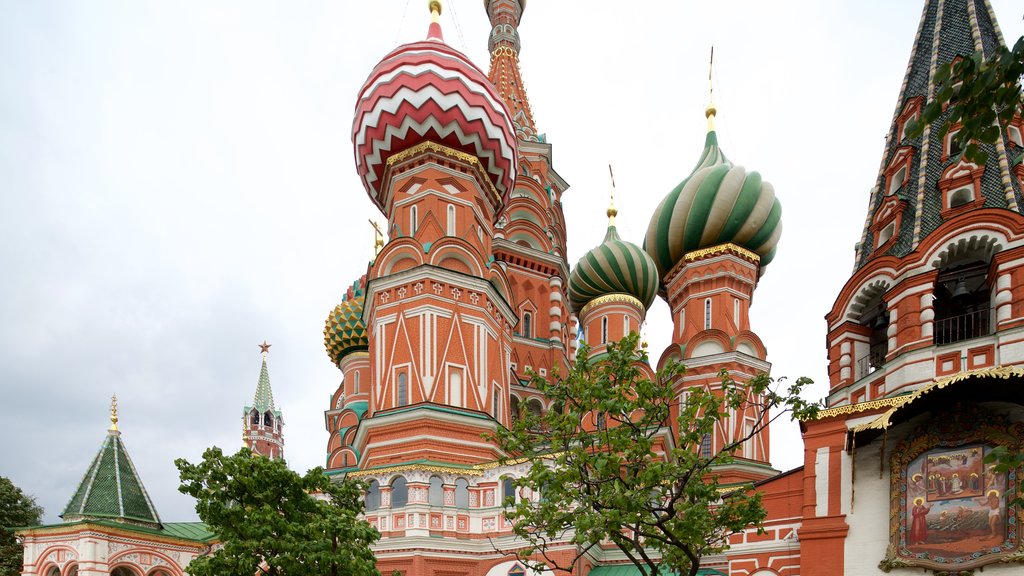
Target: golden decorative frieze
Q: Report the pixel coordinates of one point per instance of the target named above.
(620, 298)
(721, 249)
(474, 471)
(862, 407)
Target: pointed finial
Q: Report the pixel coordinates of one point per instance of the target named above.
(378, 237)
(113, 413)
(434, 32)
(612, 212)
(264, 348)
(710, 111)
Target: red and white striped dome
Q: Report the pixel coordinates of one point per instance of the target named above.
(428, 91)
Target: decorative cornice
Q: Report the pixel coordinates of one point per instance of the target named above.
(607, 298)
(429, 146)
(721, 249)
(885, 420)
(472, 471)
(862, 407)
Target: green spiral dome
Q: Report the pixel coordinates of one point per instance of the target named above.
(717, 203)
(614, 267)
(344, 331)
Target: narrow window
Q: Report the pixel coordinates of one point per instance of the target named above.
(435, 494)
(705, 446)
(455, 387)
(952, 144)
(736, 312)
(373, 496)
(682, 320)
(399, 492)
(403, 390)
(748, 446)
(625, 324)
(707, 314)
(1014, 133)
(601, 421)
(508, 491)
(897, 180)
(451, 220)
(355, 383)
(462, 493)
(413, 220)
(604, 329)
(497, 404)
(527, 325)
(886, 233)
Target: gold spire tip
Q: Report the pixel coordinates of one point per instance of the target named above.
(710, 111)
(435, 9)
(612, 211)
(113, 413)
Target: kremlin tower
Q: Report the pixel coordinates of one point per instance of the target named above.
(262, 424)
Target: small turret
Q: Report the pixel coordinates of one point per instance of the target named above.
(262, 423)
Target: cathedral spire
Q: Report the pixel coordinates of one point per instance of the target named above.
(505, 74)
(923, 181)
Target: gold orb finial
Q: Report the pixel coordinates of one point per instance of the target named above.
(710, 111)
(113, 413)
(612, 211)
(435, 8)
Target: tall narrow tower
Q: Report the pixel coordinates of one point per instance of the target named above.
(262, 424)
(711, 238)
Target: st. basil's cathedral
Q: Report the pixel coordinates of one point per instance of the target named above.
(470, 292)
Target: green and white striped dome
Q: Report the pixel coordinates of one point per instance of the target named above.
(717, 203)
(614, 267)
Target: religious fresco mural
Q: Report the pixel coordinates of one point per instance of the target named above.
(950, 510)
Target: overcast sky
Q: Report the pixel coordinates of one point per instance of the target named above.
(178, 185)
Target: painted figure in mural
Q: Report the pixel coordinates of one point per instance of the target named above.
(975, 482)
(956, 486)
(932, 484)
(992, 501)
(919, 527)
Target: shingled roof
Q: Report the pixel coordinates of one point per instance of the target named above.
(948, 29)
(112, 489)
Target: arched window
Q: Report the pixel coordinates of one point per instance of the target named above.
(707, 313)
(462, 493)
(413, 220)
(604, 329)
(962, 302)
(508, 490)
(255, 418)
(158, 572)
(455, 387)
(514, 407)
(435, 494)
(399, 492)
(527, 324)
(53, 571)
(355, 382)
(961, 196)
(1014, 133)
(625, 324)
(123, 571)
(268, 419)
(451, 220)
(535, 407)
(601, 424)
(372, 496)
(403, 389)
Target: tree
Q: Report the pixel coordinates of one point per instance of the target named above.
(631, 480)
(984, 95)
(17, 510)
(272, 521)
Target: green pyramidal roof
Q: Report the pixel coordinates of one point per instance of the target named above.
(263, 400)
(111, 488)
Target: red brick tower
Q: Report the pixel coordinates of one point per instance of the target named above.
(711, 238)
(262, 424)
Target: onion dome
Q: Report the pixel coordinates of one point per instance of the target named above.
(344, 331)
(429, 92)
(717, 203)
(614, 267)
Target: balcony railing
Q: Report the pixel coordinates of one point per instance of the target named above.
(963, 327)
(873, 360)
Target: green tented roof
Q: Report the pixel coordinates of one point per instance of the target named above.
(111, 488)
(632, 570)
(263, 400)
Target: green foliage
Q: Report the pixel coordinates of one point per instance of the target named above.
(984, 95)
(1006, 460)
(17, 510)
(272, 521)
(617, 484)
